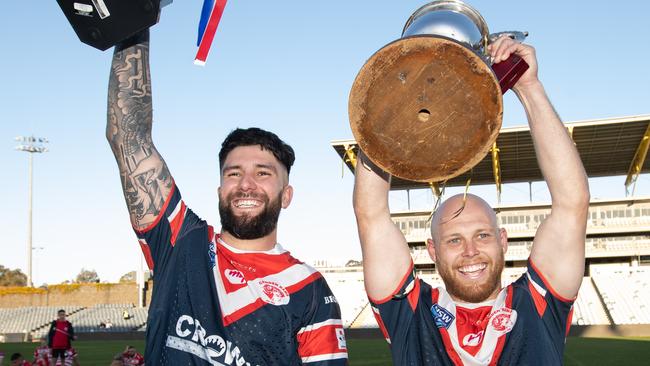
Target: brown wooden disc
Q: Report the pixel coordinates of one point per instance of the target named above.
(425, 108)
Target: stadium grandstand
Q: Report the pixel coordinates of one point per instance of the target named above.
(615, 290)
(616, 287)
(33, 322)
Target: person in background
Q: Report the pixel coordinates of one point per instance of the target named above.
(131, 357)
(18, 360)
(71, 358)
(60, 336)
(42, 354)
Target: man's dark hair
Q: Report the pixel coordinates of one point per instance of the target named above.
(16, 356)
(60, 311)
(256, 136)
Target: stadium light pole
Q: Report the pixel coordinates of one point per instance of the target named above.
(31, 145)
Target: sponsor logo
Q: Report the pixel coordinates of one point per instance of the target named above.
(330, 299)
(192, 338)
(442, 316)
(243, 266)
(473, 339)
(234, 276)
(340, 337)
(503, 319)
(273, 293)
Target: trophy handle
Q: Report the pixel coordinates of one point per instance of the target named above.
(516, 35)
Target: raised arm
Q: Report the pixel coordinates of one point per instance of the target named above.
(386, 257)
(146, 181)
(559, 246)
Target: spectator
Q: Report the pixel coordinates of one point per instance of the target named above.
(60, 337)
(126, 315)
(18, 360)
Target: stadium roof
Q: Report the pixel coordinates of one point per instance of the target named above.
(608, 147)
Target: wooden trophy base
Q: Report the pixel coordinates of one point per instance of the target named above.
(425, 108)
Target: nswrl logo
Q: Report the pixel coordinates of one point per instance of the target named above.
(442, 316)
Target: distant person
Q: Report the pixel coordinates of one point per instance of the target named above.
(18, 360)
(219, 295)
(71, 358)
(60, 336)
(126, 315)
(473, 320)
(42, 354)
(130, 357)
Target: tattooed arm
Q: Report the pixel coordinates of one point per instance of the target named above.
(146, 181)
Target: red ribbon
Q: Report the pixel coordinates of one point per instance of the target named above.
(210, 30)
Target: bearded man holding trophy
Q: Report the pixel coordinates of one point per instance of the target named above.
(428, 107)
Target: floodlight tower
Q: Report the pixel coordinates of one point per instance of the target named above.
(31, 145)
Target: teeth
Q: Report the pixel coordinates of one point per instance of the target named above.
(246, 203)
(472, 268)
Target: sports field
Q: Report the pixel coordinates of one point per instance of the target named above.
(580, 351)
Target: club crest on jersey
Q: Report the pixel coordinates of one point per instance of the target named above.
(272, 293)
(503, 319)
(442, 316)
(234, 276)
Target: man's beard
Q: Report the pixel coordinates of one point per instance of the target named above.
(474, 292)
(248, 227)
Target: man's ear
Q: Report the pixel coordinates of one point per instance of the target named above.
(503, 239)
(287, 196)
(431, 249)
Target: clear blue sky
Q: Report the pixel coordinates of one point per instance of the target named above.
(286, 66)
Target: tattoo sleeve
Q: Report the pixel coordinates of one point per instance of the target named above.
(146, 181)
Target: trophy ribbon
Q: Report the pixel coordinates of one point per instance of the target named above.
(210, 17)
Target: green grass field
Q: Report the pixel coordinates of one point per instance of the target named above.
(579, 352)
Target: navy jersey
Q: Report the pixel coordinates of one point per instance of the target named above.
(215, 305)
(526, 325)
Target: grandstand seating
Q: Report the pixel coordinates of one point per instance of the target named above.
(27, 319)
(617, 292)
(348, 288)
(624, 291)
(36, 320)
(588, 309)
(522, 222)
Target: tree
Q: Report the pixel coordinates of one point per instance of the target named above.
(128, 277)
(87, 276)
(9, 277)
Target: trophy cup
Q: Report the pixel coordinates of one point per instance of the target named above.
(104, 23)
(429, 106)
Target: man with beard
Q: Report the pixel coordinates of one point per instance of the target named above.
(473, 321)
(220, 298)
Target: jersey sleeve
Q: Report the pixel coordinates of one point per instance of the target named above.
(554, 310)
(158, 240)
(395, 312)
(321, 339)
